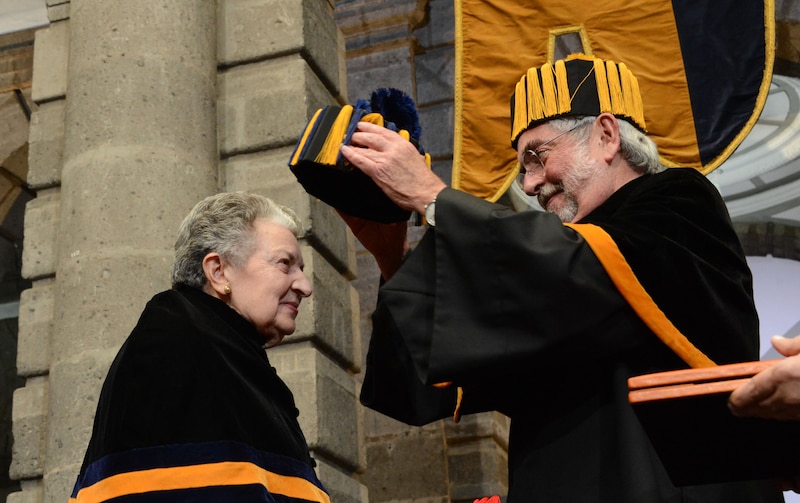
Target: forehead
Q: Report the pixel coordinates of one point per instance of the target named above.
(535, 136)
(271, 235)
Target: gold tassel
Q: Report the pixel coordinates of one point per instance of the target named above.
(459, 399)
(531, 85)
(304, 138)
(549, 90)
(404, 135)
(633, 100)
(520, 106)
(330, 149)
(373, 118)
(602, 85)
(562, 87)
(615, 89)
(535, 97)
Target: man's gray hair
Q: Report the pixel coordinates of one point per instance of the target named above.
(638, 149)
(223, 223)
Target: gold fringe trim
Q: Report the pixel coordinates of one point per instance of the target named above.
(330, 149)
(549, 91)
(304, 138)
(602, 85)
(615, 89)
(631, 94)
(373, 118)
(520, 108)
(564, 99)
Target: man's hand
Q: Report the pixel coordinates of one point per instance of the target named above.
(388, 243)
(394, 164)
(775, 392)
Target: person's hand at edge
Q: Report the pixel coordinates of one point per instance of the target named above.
(773, 393)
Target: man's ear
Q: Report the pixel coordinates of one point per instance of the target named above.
(214, 269)
(607, 127)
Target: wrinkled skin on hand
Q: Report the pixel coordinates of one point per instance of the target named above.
(395, 165)
(775, 392)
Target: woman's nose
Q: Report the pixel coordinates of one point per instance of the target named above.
(303, 285)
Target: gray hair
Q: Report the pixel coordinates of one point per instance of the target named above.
(638, 149)
(223, 223)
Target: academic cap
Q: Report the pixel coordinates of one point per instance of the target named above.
(320, 168)
(578, 85)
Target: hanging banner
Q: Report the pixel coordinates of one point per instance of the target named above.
(704, 69)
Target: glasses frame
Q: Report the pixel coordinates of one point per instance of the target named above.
(531, 156)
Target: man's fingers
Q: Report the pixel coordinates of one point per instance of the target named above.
(753, 392)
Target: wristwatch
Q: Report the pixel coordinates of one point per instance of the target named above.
(430, 213)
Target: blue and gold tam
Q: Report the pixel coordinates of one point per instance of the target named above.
(319, 166)
(578, 85)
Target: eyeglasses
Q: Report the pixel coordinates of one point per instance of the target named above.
(532, 160)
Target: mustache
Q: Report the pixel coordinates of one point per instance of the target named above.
(547, 191)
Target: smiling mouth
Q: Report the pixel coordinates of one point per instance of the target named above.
(294, 306)
(548, 192)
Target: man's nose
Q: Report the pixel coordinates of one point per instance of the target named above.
(533, 182)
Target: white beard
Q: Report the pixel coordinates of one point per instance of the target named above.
(582, 167)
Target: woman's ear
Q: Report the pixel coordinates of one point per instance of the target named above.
(216, 282)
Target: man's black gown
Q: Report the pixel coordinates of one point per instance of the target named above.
(517, 310)
(192, 411)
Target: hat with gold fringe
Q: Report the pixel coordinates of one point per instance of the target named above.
(318, 165)
(578, 85)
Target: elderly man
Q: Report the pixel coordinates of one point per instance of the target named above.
(544, 316)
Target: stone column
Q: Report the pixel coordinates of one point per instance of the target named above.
(144, 107)
(139, 149)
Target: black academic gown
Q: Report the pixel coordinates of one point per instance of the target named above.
(516, 309)
(191, 410)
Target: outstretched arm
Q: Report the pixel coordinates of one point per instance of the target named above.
(388, 243)
(395, 165)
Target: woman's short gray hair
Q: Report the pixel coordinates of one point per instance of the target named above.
(638, 149)
(223, 223)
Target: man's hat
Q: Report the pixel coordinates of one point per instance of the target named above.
(324, 173)
(578, 85)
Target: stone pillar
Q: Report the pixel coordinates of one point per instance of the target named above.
(124, 142)
(128, 93)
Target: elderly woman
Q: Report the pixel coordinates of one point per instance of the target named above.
(191, 409)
